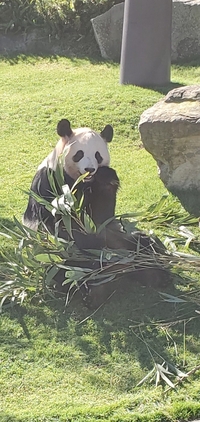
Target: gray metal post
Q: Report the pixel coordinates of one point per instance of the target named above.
(146, 42)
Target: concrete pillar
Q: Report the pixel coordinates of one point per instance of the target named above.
(146, 42)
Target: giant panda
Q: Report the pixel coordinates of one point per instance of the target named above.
(85, 151)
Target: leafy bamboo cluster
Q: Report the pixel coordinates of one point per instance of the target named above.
(31, 259)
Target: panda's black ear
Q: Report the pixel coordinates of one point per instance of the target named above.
(63, 128)
(107, 133)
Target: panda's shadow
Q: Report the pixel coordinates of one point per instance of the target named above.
(131, 319)
(134, 319)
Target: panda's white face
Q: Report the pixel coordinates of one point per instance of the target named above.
(85, 152)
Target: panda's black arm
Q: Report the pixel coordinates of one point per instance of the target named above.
(88, 241)
(36, 212)
(103, 195)
(100, 205)
(100, 201)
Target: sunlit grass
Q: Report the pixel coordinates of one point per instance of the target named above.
(34, 98)
(35, 94)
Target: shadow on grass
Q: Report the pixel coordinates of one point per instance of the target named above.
(9, 418)
(77, 60)
(165, 89)
(71, 45)
(134, 320)
(6, 223)
(172, 85)
(88, 51)
(73, 48)
(191, 63)
(138, 319)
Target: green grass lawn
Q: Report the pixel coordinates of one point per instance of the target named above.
(68, 364)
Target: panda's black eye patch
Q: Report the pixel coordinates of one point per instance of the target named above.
(98, 157)
(77, 157)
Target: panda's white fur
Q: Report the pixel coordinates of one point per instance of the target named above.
(83, 139)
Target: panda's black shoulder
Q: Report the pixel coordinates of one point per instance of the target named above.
(41, 184)
(106, 176)
(68, 179)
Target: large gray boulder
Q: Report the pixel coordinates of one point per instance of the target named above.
(185, 31)
(170, 131)
(108, 32)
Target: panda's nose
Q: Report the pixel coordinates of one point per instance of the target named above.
(90, 170)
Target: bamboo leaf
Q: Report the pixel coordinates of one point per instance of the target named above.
(74, 275)
(3, 301)
(68, 224)
(176, 371)
(103, 225)
(167, 380)
(51, 274)
(80, 179)
(88, 224)
(46, 258)
(145, 378)
(59, 173)
(105, 280)
(51, 179)
(5, 235)
(162, 369)
(157, 377)
(170, 298)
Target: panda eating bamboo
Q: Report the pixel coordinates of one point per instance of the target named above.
(84, 151)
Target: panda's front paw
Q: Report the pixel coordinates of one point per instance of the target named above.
(106, 175)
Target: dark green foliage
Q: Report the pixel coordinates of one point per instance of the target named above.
(88, 9)
(56, 17)
(17, 14)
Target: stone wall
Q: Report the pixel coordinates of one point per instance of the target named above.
(185, 31)
(33, 42)
(108, 33)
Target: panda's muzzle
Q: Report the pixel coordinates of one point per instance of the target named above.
(91, 171)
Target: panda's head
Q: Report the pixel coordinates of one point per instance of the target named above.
(84, 149)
